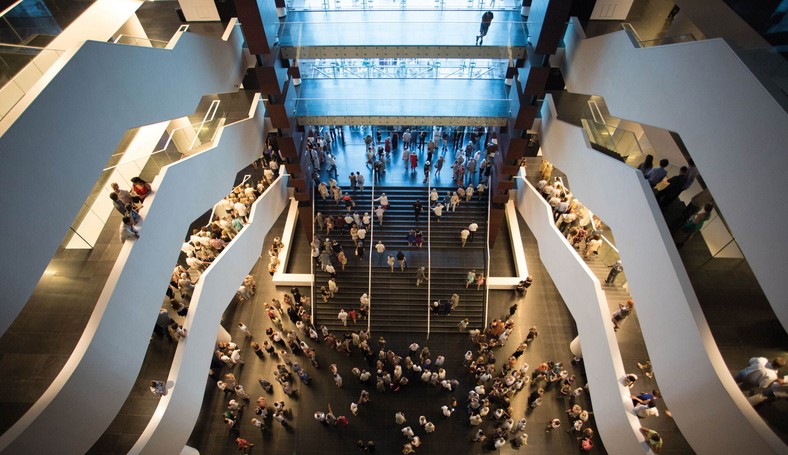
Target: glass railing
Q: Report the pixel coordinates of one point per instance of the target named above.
(624, 144)
(640, 42)
(97, 208)
(137, 41)
(403, 68)
(432, 107)
(616, 139)
(36, 23)
(335, 32)
(349, 5)
(29, 64)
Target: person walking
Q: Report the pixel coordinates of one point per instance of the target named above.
(421, 276)
(624, 310)
(472, 228)
(342, 316)
(380, 247)
(333, 287)
(485, 27)
(464, 234)
(438, 209)
(439, 165)
(401, 259)
(390, 262)
(417, 209)
(479, 280)
(414, 161)
(470, 277)
(360, 181)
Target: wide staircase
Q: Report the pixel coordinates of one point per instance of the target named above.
(397, 304)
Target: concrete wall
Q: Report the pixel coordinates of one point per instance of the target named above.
(64, 130)
(583, 295)
(734, 130)
(713, 415)
(90, 390)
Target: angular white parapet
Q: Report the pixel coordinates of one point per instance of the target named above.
(680, 345)
(92, 387)
(733, 128)
(613, 411)
(177, 413)
(65, 128)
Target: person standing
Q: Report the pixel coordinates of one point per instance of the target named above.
(655, 175)
(615, 269)
(421, 276)
(675, 186)
(360, 181)
(353, 182)
(439, 165)
(485, 27)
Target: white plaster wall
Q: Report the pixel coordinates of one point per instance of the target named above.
(97, 378)
(617, 424)
(177, 413)
(680, 345)
(734, 130)
(67, 126)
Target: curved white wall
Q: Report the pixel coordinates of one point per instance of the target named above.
(90, 390)
(617, 424)
(708, 407)
(56, 141)
(735, 131)
(177, 413)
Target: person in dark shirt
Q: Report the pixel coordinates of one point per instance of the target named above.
(485, 26)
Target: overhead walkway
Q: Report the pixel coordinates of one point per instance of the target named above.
(459, 102)
(401, 34)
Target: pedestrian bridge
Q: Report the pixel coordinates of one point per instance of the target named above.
(460, 102)
(400, 34)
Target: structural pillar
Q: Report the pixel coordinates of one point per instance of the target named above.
(546, 24)
(275, 79)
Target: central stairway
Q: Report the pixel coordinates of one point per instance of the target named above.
(397, 304)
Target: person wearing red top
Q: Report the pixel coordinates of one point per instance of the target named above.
(140, 187)
(414, 161)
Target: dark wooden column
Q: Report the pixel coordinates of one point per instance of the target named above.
(546, 26)
(273, 77)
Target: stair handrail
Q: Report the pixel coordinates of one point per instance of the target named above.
(429, 254)
(371, 240)
(312, 301)
(487, 254)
